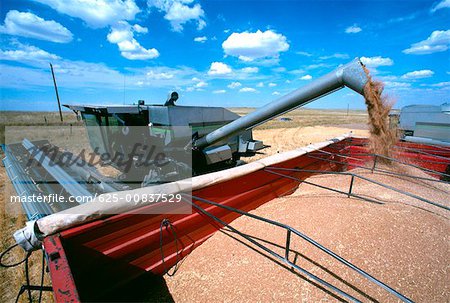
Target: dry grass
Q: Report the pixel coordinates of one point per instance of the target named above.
(281, 135)
(311, 117)
(9, 118)
(12, 278)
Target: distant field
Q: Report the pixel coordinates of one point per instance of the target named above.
(34, 119)
(298, 118)
(303, 117)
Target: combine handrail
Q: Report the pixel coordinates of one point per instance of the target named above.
(353, 175)
(373, 168)
(375, 155)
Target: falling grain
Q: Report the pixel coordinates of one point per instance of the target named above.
(382, 138)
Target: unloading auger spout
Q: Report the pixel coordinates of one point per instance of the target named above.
(351, 75)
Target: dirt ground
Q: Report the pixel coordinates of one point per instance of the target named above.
(285, 139)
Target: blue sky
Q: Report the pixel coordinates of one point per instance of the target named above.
(217, 53)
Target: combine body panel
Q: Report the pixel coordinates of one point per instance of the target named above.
(174, 124)
(429, 124)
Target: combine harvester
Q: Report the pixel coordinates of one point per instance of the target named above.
(93, 248)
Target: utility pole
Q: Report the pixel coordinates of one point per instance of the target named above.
(56, 91)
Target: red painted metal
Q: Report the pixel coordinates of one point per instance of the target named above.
(64, 288)
(110, 252)
(431, 161)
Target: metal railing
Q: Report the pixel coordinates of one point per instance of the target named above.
(287, 248)
(373, 168)
(353, 176)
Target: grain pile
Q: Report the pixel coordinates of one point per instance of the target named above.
(402, 242)
(382, 138)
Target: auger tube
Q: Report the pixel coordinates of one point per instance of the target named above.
(351, 75)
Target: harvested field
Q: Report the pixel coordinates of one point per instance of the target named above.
(402, 242)
(284, 139)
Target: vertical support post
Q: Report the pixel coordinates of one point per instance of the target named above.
(351, 186)
(56, 91)
(374, 162)
(288, 244)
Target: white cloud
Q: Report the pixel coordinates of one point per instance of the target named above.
(122, 35)
(98, 13)
(387, 78)
(260, 84)
(259, 45)
(354, 29)
(201, 25)
(250, 70)
(271, 84)
(394, 84)
(306, 77)
(403, 18)
(296, 71)
(306, 54)
(74, 74)
(163, 76)
(279, 69)
(438, 41)
(200, 39)
(219, 68)
(219, 91)
(376, 61)
(27, 54)
(442, 84)
(315, 66)
(178, 12)
(140, 29)
(418, 74)
(201, 84)
(335, 56)
(81, 74)
(155, 75)
(31, 26)
(276, 93)
(440, 5)
(234, 85)
(247, 90)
